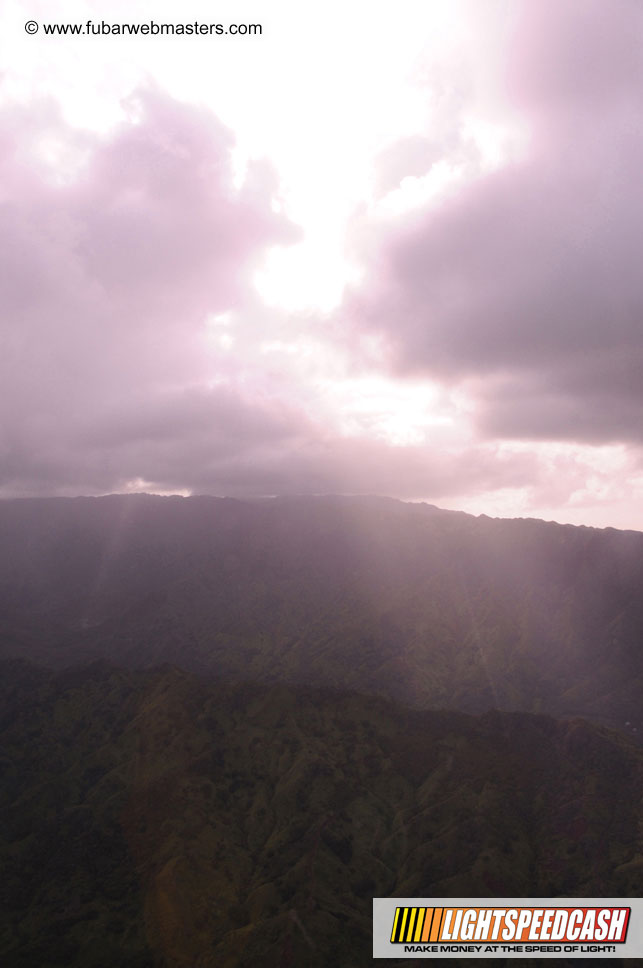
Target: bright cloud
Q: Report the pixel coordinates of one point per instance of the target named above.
(376, 250)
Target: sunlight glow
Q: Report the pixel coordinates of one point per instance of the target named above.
(401, 414)
(363, 99)
(140, 486)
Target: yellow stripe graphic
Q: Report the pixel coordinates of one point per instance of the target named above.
(417, 924)
(397, 915)
(409, 929)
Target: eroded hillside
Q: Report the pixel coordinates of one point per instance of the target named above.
(156, 819)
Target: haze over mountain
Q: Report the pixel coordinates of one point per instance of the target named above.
(225, 726)
(432, 608)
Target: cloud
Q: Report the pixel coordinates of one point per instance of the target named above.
(117, 253)
(135, 351)
(114, 252)
(307, 461)
(524, 285)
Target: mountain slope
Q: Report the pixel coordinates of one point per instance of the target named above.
(154, 818)
(431, 608)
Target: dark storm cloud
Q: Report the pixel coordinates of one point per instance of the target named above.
(527, 282)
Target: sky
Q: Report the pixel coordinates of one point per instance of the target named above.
(373, 248)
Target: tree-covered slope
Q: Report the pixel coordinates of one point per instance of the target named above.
(153, 818)
(432, 608)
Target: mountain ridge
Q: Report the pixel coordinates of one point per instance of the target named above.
(321, 497)
(225, 726)
(428, 607)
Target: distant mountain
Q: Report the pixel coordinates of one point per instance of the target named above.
(151, 818)
(427, 607)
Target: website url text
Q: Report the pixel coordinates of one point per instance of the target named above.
(104, 29)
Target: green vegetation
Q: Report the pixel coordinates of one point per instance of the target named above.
(264, 714)
(152, 818)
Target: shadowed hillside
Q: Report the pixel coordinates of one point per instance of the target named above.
(266, 713)
(427, 607)
(150, 818)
